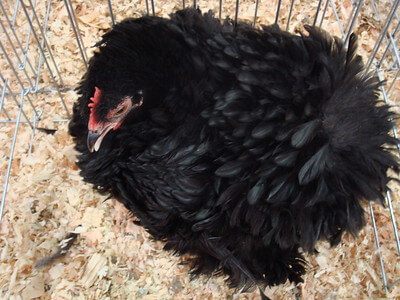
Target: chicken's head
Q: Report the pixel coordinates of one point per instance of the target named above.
(134, 69)
(102, 118)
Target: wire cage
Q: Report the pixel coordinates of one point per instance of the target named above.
(32, 66)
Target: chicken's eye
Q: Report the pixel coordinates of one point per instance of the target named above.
(119, 111)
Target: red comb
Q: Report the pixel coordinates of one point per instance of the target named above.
(93, 122)
(96, 98)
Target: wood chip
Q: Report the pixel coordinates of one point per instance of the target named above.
(94, 269)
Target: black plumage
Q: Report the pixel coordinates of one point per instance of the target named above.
(240, 146)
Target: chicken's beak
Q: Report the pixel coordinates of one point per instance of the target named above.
(95, 138)
(91, 140)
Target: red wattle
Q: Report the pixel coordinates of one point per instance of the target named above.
(117, 126)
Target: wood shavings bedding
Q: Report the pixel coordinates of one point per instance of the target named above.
(113, 258)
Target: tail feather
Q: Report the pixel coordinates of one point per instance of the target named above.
(353, 125)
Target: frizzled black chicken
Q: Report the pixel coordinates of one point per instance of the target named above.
(239, 146)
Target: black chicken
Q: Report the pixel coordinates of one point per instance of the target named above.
(239, 146)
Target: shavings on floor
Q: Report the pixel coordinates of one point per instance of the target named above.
(113, 258)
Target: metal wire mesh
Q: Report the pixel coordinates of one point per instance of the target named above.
(29, 70)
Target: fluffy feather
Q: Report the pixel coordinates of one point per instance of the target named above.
(250, 143)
